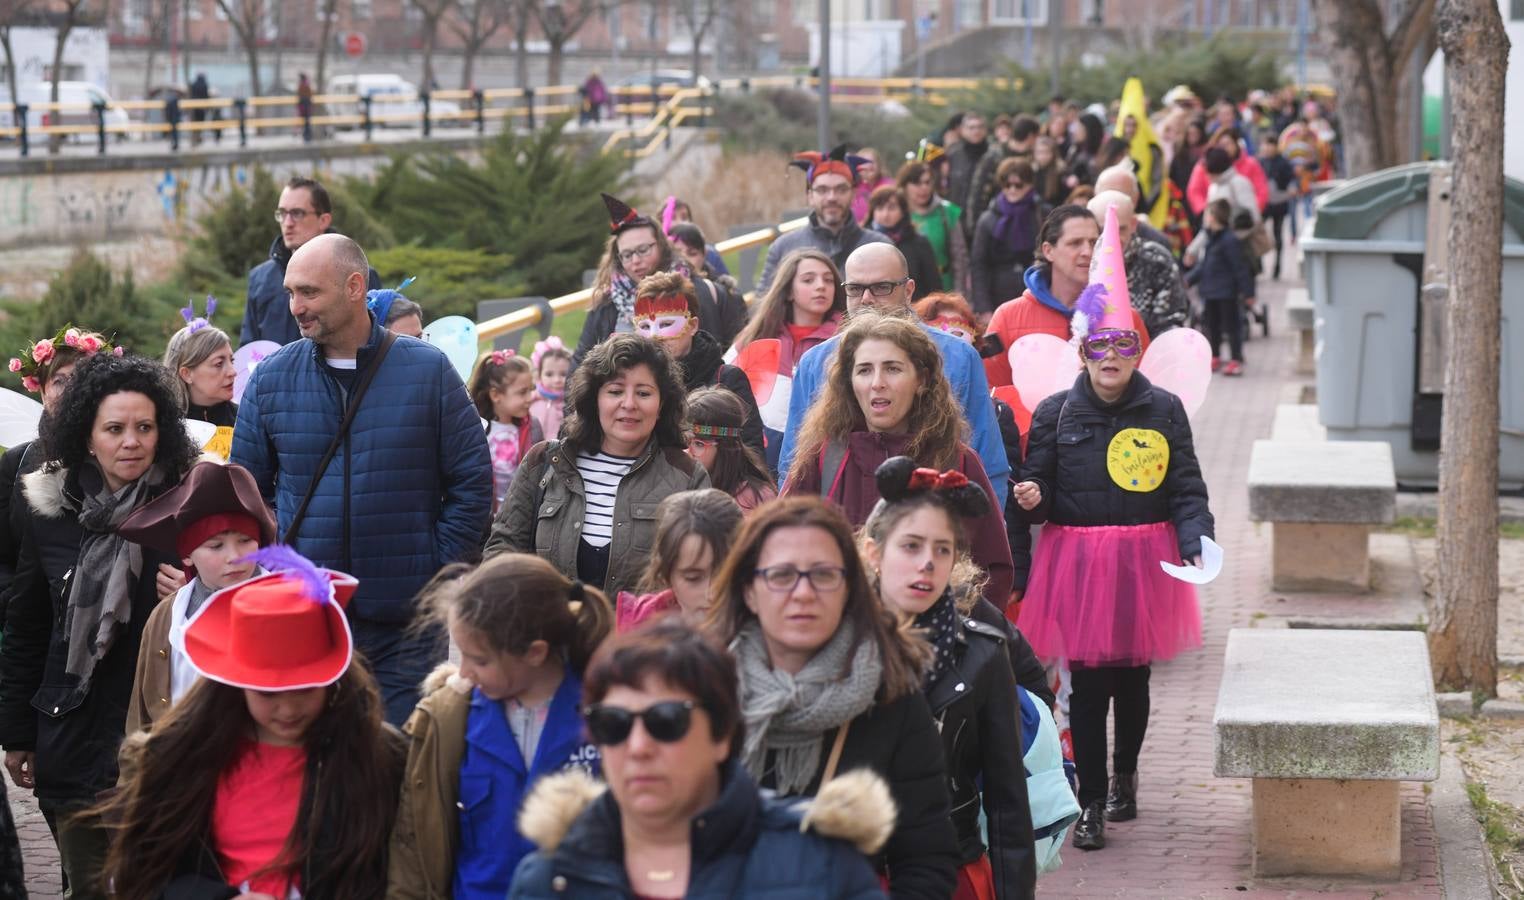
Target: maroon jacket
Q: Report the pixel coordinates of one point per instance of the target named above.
(855, 491)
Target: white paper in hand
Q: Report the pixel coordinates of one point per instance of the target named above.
(1211, 565)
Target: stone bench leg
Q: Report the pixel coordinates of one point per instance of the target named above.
(1319, 556)
(1306, 355)
(1327, 827)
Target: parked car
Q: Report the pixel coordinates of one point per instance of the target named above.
(392, 95)
(81, 97)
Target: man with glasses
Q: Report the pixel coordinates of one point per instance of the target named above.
(877, 277)
(302, 213)
(829, 179)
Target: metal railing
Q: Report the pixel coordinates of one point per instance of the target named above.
(535, 315)
(665, 107)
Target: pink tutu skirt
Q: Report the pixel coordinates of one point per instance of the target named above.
(1097, 596)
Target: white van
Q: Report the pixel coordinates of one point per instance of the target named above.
(392, 95)
(80, 95)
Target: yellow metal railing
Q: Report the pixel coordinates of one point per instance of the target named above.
(530, 316)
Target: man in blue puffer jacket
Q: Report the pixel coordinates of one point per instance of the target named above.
(409, 488)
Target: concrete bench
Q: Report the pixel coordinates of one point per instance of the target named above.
(1297, 422)
(1327, 724)
(1321, 500)
(1299, 314)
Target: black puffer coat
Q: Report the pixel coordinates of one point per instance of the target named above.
(1072, 434)
(75, 737)
(979, 717)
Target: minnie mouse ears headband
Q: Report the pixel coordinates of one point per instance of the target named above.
(899, 479)
(837, 162)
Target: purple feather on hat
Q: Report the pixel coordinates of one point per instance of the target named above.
(1088, 310)
(315, 585)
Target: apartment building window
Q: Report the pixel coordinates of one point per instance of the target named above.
(1018, 12)
(1516, 11)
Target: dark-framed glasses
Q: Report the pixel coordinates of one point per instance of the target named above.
(667, 721)
(877, 288)
(784, 579)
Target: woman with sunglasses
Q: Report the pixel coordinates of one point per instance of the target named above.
(830, 683)
(681, 816)
(1005, 238)
(1111, 470)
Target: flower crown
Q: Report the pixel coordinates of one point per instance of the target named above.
(39, 354)
(716, 431)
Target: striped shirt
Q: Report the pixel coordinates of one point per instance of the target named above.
(601, 474)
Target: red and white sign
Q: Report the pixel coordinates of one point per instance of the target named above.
(354, 44)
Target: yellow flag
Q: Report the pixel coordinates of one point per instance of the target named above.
(1144, 145)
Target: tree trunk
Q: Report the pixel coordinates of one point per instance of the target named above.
(185, 41)
(55, 142)
(557, 45)
(468, 63)
(10, 67)
(330, 10)
(521, 49)
(430, 35)
(251, 45)
(280, 44)
(1463, 625)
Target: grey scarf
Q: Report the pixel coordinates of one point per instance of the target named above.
(788, 715)
(100, 595)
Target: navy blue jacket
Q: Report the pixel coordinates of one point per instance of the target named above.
(266, 310)
(1223, 272)
(409, 490)
(747, 845)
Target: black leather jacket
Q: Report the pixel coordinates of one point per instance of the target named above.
(976, 709)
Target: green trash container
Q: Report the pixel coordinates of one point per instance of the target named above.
(1364, 266)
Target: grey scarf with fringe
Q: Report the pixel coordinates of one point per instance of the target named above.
(788, 715)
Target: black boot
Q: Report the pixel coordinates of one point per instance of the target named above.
(1122, 799)
(1090, 830)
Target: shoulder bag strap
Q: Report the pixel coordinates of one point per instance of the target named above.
(355, 397)
(835, 758)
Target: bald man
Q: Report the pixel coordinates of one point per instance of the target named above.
(878, 277)
(1121, 177)
(1153, 276)
(407, 489)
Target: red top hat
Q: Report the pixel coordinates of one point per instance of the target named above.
(270, 634)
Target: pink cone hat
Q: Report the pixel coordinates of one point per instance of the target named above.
(1106, 270)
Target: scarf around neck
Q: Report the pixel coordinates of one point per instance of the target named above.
(898, 233)
(939, 624)
(100, 597)
(788, 715)
(1014, 221)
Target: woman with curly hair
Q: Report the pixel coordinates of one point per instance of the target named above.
(886, 375)
(82, 593)
(587, 502)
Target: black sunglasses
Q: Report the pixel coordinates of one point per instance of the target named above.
(667, 722)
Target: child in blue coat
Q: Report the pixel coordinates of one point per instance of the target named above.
(1226, 283)
(484, 734)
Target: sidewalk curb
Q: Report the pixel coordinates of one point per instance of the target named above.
(1465, 863)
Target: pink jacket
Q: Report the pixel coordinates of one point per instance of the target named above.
(630, 609)
(1247, 166)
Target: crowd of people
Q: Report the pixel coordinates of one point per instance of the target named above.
(728, 586)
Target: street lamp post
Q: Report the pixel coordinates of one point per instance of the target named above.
(823, 117)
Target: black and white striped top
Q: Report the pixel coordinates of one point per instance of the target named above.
(601, 474)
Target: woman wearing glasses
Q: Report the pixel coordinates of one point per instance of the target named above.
(830, 684)
(637, 248)
(885, 396)
(1005, 238)
(1111, 470)
(681, 817)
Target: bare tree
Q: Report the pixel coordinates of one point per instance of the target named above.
(478, 21)
(1463, 625)
(520, 14)
(161, 16)
(325, 40)
(560, 20)
(433, 11)
(247, 18)
(699, 16)
(66, 14)
(1369, 61)
(12, 14)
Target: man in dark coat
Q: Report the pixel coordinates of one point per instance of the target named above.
(829, 179)
(409, 489)
(963, 158)
(304, 212)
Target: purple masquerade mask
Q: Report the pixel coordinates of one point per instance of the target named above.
(1125, 343)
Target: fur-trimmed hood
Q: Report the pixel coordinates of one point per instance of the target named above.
(855, 807)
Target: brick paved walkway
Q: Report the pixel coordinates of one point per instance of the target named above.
(1191, 838)
(1192, 834)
